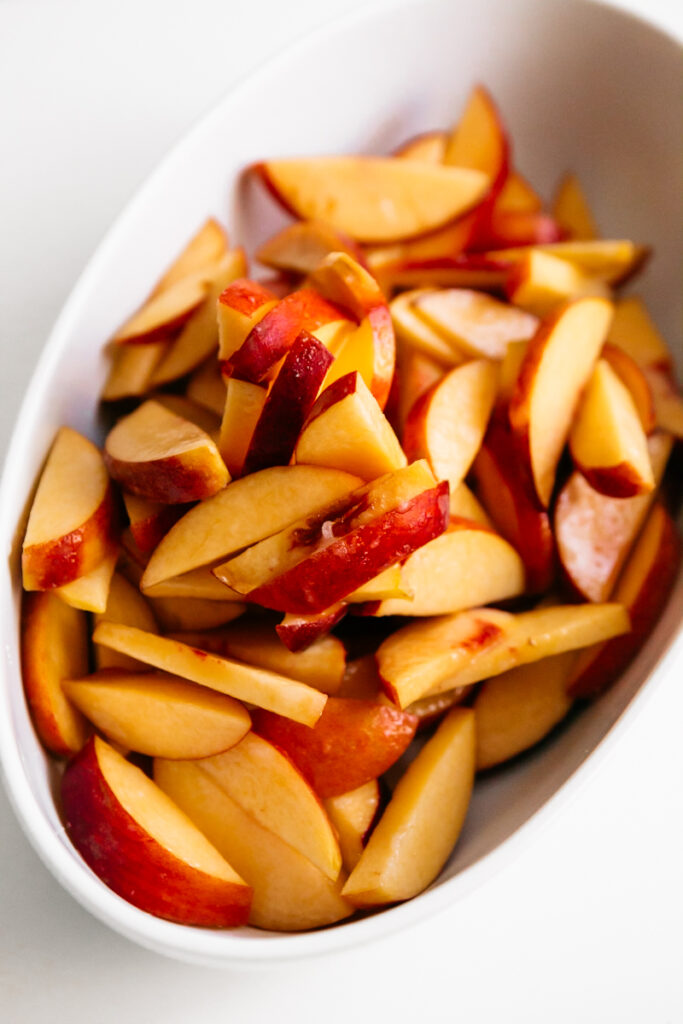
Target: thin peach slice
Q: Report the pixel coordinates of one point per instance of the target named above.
(572, 212)
(634, 331)
(479, 140)
(374, 199)
(125, 604)
(90, 593)
(240, 307)
(204, 249)
(131, 835)
(149, 520)
(132, 369)
(420, 335)
(634, 378)
(162, 315)
(352, 815)
(475, 323)
(541, 282)
(429, 147)
(244, 404)
(299, 248)
(206, 386)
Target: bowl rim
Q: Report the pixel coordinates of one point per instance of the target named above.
(229, 948)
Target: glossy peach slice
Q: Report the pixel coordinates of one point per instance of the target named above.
(475, 323)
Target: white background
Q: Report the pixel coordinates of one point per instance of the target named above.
(587, 924)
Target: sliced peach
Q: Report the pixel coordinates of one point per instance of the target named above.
(420, 335)
(634, 379)
(389, 584)
(572, 212)
(352, 814)
(429, 147)
(206, 386)
(132, 369)
(243, 682)
(163, 314)
(71, 525)
(160, 456)
(486, 271)
(203, 250)
(244, 404)
(183, 406)
(466, 566)
(611, 261)
(374, 199)
(503, 229)
(197, 583)
(445, 243)
(90, 592)
(518, 196)
(475, 323)
(269, 787)
(518, 708)
(346, 430)
(299, 248)
(448, 441)
(54, 646)
(290, 892)
(429, 710)
(415, 374)
(240, 307)
(607, 442)
(321, 665)
(132, 836)
(509, 370)
(634, 331)
(245, 512)
(181, 613)
(298, 632)
(418, 830)
(644, 588)
(540, 283)
(369, 348)
(595, 533)
(557, 366)
(199, 337)
(434, 656)
(479, 140)
(352, 742)
(125, 604)
(157, 714)
(150, 520)
(464, 505)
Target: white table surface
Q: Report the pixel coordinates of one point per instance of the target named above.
(587, 924)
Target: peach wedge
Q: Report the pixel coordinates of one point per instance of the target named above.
(353, 814)
(474, 322)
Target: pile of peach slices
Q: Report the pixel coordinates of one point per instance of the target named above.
(409, 483)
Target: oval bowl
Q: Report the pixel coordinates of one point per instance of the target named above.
(614, 121)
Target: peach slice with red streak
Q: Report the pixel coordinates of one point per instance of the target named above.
(72, 523)
(557, 366)
(298, 632)
(504, 229)
(448, 441)
(594, 533)
(353, 814)
(150, 520)
(607, 441)
(142, 845)
(373, 199)
(346, 430)
(505, 488)
(274, 335)
(54, 646)
(316, 562)
(486, 271)
(635, 380)
(369, 348)
(446, 243)
(163, 314)
(352, 742)
(289, 402)
(241, 306)
(299, 248)
(160, 456)
(475, 323)
(644, 588)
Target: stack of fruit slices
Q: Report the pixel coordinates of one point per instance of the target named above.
(409, 485)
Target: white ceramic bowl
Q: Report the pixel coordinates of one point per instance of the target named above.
(582, 87)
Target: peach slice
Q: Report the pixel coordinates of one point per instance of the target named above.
(319, 560)
(417, 334)
(429, 710)
(370, 348)
(634, 331)
(475, 323)
(321, 665)
(445, 243)
(572, 212)
(160, 456)
(206, 386)
(90, 592)
(244, 404)
(197, 583)
(71, 525)
(163, 314)
(289, 402)
(142, 845)
(458, 650)
(430, 147)
(184, 407)
(157, 714)
(540, 282)
(343, 281)
(150, 520)
(353, 814)
(298, 632)
(644, 588)
(241, 306)
(414, 837)
(518, 708)
(479, 140)
(131, 370)
(299, 248)
(290, 892)
(607, 442)
(595, 533)
(54, 646)
(199, 337)
(205, 249)
(557, 366)
(182, 613)
(464, 505)
(505, 487)
(352, 742)
(503, 229)
(635, 380)
(611, 261)
(510, 366)
(387, 585)
(270, 788)
(450, 441)
(486, 271)
(346, 430)
(518, 196)
(415, 374)
(466, 566)
(245, 512)
(374, 199)
(125, 604)
(275, 333)
(243, 682)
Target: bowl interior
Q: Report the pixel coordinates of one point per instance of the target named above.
(582, 87)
